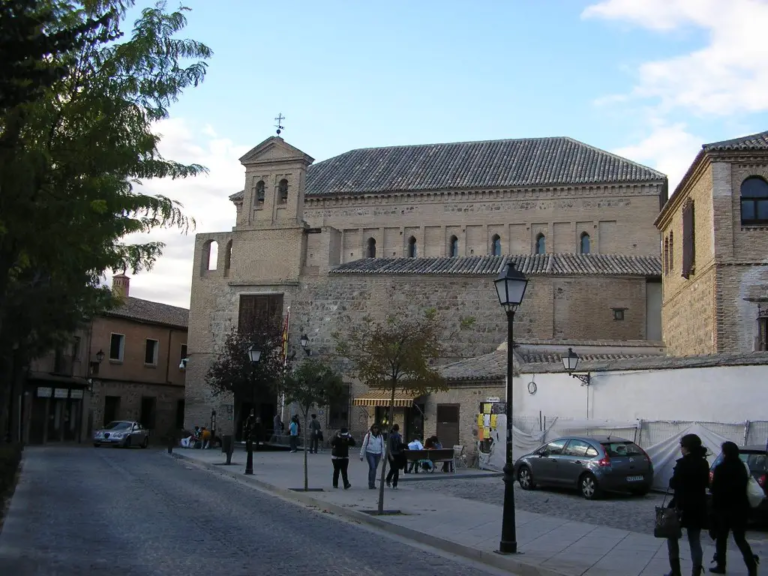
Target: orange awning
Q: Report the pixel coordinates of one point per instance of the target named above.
(383, 397)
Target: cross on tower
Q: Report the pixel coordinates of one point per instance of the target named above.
(279, 124)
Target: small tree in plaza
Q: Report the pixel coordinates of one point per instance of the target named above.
(233, 371)
(396, 355)
(312, 384)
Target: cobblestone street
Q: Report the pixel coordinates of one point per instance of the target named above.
(99, 512)
(615, 510)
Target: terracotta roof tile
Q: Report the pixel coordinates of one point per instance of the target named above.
(530, 265)
(757, 141)
(463, 165)
(153, 312)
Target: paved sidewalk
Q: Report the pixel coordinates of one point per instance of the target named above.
(550, 546)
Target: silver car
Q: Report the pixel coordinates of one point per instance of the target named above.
(122, 433)
(592, 464)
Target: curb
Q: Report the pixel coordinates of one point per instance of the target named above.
(492, 559)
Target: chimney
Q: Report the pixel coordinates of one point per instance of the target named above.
(121, 285)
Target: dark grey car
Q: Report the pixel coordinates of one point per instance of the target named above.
(591, 464)
(124, 433)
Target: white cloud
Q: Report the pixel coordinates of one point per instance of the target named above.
(205, 198)
(670, 148)
(727, 76)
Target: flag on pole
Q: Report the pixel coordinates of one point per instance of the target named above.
(285, 336)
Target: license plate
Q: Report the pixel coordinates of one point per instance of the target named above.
(634, 478)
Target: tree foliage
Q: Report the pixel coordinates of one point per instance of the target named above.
(78, 103)
(233, 372)
(311, 384)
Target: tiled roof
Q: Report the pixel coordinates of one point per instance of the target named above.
(530, 265)
(557, 358)
(462, 165)
(153, 312)
(757, 141)
(656, 362)
(491, 366)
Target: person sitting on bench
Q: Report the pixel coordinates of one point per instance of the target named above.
(413, 445)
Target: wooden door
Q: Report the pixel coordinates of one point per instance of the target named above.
(448, 424)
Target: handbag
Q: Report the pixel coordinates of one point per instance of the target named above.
(755, 493)
(667, 522)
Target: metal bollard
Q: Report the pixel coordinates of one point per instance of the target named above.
(171, 442)
(228, 447)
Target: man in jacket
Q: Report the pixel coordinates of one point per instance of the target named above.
(340, 457)
(315, 432)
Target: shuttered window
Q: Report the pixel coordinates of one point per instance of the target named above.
(689, 240)
(666, 256)
(256, 308)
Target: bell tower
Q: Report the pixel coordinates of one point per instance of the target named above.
(275, 178)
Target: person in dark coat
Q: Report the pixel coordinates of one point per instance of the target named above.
(396, 456)
(340, 457)
(731, 508)
(689, 482)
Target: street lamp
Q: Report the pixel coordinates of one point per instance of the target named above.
(571, 362)
(100, 356)
(304, 343)
(510, 288)
(254, 354)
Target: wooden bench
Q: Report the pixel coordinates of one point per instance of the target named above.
(435, 456)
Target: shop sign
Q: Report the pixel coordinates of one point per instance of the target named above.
(76, 394)
(44, 392)
(493, 399)
(61, 393)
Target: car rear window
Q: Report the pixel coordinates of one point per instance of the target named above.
(619, 449)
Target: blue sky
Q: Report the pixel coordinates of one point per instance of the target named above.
(651, 80)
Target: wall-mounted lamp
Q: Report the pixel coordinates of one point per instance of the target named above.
(304, 343)
(183, 365)
(571, 362)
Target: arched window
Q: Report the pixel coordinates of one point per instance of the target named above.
(412, 250)
(666, 256)
(260, 194)
(585, 246)
(541, 244)
(282, 192)
(453, 247)
(210, 256)
(496, 245)
(371, 248)
(754, 201)
(227, 258)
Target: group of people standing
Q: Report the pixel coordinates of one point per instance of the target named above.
(730, 505)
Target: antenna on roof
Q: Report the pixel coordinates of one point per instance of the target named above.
(279, 124)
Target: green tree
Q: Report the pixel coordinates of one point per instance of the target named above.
(233, 372)
(396, 355)
(311, 384)
(76, 143)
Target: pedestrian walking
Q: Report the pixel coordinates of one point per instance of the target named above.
(689, 482)
(315, 434)
(395, 455)
(293, 430)
(258, 433)
(730, 506)
(372, 450)
(340, 457)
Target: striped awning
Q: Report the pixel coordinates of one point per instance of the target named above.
(383, 397)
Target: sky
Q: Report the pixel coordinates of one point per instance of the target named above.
(650, 80)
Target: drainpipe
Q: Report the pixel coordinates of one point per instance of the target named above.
(168, 362)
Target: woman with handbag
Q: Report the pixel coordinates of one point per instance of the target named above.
(731, 507)
(689, 483)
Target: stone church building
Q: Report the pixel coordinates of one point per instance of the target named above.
(402, 229)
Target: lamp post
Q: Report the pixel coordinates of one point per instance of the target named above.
(510, 288)
(254, 354)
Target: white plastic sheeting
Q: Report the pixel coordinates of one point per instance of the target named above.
(665, 453)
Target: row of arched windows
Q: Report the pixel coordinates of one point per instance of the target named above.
(260, 193)
(585, 246)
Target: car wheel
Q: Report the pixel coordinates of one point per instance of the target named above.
(96, 444)
(145, 444)
(525, 478)
(588, 487)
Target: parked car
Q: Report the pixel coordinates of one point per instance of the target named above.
(122, 433)
(756, 457)
(591, 464)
